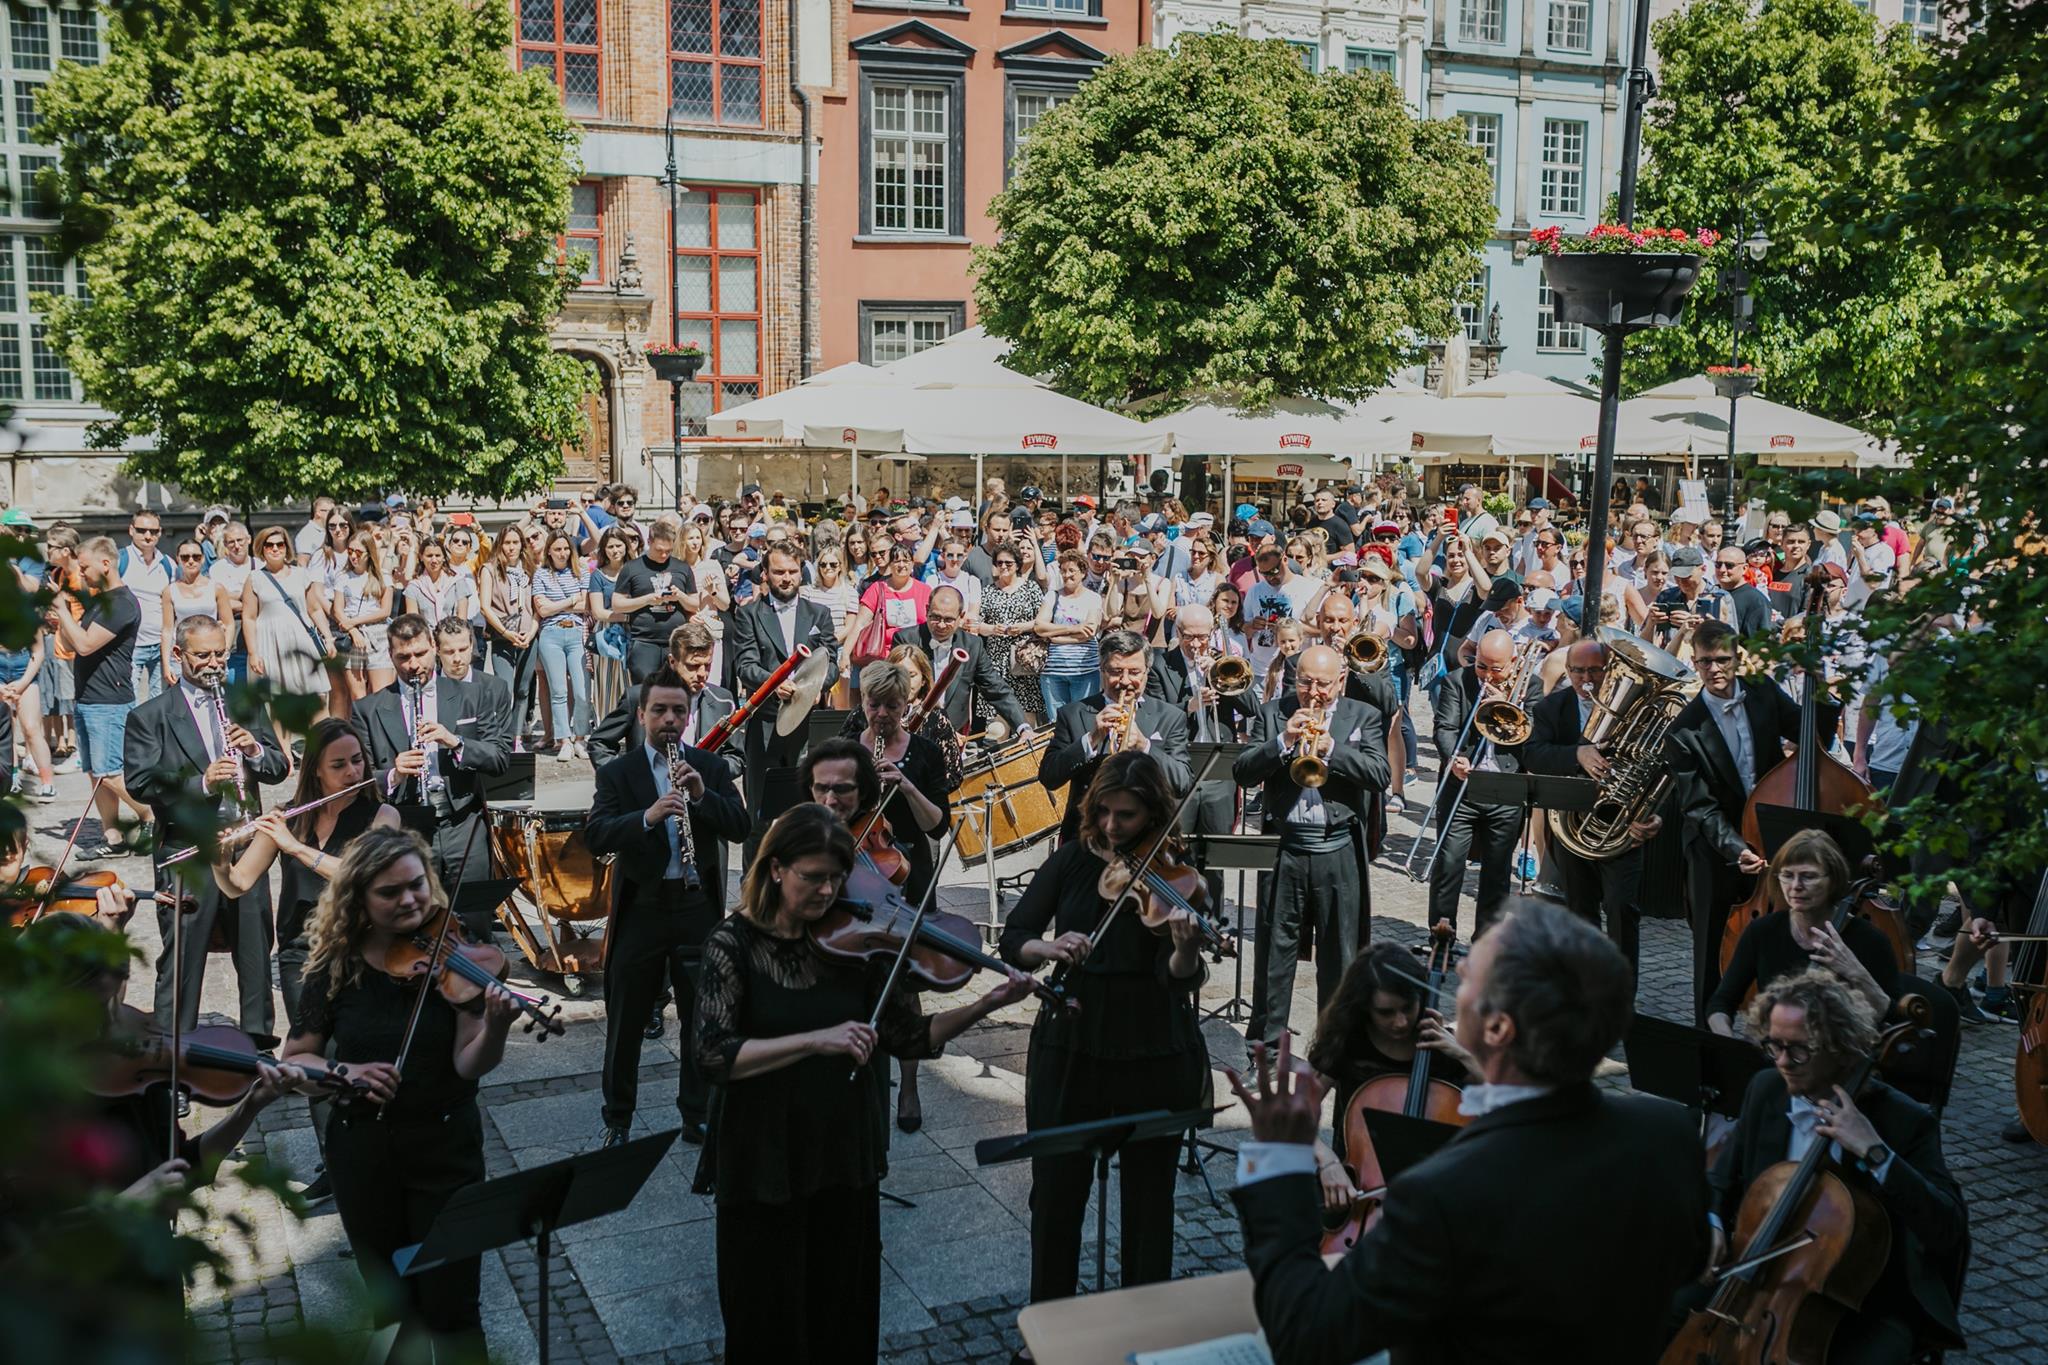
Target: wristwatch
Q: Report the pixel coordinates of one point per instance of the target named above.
(1875, 1157)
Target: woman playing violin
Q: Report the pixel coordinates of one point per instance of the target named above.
(912, 770)
(795, 1153)
(1133, 1045)
(311, 845)
(396, 1155)
(1812, 876)
(1372, 1027)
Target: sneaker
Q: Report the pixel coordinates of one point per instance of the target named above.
(2001, 1004)
(1525, 867)
(566, 754)
(46, 792)
(1966, 1004)
(582, 750)
(320, 1191)
(1395, 805)
(1949, 925)
(613, 1137)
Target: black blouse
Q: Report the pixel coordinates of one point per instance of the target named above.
(1130, 1006)
(1767, 952)
(786, 1134)
(364, 1021)
(924, 767)
(300, 888)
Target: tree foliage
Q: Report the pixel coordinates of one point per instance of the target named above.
(1213, 218)
(1760, 108)
(1968, 175)
(319, 238)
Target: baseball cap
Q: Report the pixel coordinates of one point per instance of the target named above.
(1245, 512)
(1497, 534)
(1539, 504)
(1506, 588)
(1944, 504)
(963, 517)
(752, 490)
(1832, 570)
(1828, 521)
(1543, 599)
(1083, 500)
(1689, 516)
(1259, 529)
(15, 516)
(1758, 547)
(1386, 528)
(700, 513)
(955, 504)
(1152, 523)
(1686, 561)
(1200, 520)
(757, 531)
(1375, 567)
(395, 500)
(213, 514)
(1031, 492)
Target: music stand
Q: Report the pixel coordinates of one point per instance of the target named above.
(824, 722)
(1777, 825)
(1532, 792)
(1239, 853)
(1099, 1141)
(1694, 1066)
(476, 902)
(514, 784)
(536, 1204)
(1401, 1142)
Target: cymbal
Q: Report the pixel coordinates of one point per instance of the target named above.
(809, 684)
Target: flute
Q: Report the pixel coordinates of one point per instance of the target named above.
(247, 828)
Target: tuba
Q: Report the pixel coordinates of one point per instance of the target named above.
(1643, 692)
(1366, 653)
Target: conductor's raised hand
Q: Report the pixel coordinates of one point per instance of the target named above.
(1283, 1108)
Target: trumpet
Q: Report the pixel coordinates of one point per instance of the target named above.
(1125, 735)
(1366, 653)
(1308, 768)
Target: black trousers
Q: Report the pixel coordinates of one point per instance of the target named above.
(656, 941)
(1318, 889)
(515, 666)
(643, 659)
(802, 1282)
(391, 1178)
(1490, 831)
(462, 853)
(1605, 892)
(767, 798)
(1712, 887)
(1061, 1087)
(291, 983)
(245, 921)
(1212, 810)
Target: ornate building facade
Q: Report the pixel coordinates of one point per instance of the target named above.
(1387, 36)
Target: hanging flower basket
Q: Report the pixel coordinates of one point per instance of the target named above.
(1618, 279)
(1734, 381)
(673, 364)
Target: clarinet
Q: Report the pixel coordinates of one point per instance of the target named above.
(686, 838)
(220, 711)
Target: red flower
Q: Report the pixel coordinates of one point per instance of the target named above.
(1709, 237)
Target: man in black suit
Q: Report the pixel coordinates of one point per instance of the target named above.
(1082, 729)
(1485, 1248)
(937, 638)
(432, 742)
(1180, 678)
(455, 649)
(690, 648)
(1319, 876)
(666, 902)
(186, 769)
(1817, 1030)
(1494, 829)
(1720, 745)
(1556, 727)
(764, 632)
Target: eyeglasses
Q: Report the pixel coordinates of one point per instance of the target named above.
(817, 878)
(337, 526)
(833, 789)
(1799, 1054)
(273, 545)
(1713, 661)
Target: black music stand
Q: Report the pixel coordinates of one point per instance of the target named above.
(1777, 825)
(1694, 1066)
(824, 722)
(476, 903)
(1099, 1141)
(514, 784)
(1532, 792)
(536, 1204)
(1401, 1142)
(1234, 853)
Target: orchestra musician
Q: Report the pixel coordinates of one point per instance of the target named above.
(1607, 888)
(937, 638)
(433, 742)
(1133, 1044)
(1720, 744)
(1476, 1256)
(1494, 829)
(1319, 875)
(398, 1152)
(668, 889)
(179, 759)
(764, 632)
(1180, 677)
(796, 1155)
(1338, 624)
(1117, 717)
(1816, 1029)
(690, 648)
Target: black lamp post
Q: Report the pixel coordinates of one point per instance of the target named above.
(1742, 317)
(675, 307)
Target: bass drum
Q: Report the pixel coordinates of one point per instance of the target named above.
(1002, 789)
(561, 910)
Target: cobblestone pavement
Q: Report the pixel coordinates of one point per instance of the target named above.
(639, 1286)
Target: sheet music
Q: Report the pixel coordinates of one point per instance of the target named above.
(1245, 1348)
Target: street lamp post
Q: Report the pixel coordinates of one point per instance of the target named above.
(675, 307)
(1742, 317)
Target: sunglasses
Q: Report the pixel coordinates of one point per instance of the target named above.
(273, 545)
(147, 530)
(190, 559)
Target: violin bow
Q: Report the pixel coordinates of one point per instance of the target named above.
(57, 873)
(419, 1000)
(924, 906)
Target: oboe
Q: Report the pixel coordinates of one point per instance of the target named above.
(227, 748)
(686, 839)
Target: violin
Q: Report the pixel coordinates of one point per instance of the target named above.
(1160, 887)
(1812, 1248)
(39, 893)
(462, 971)
(873, 917)
(216, 1063)
(1414, 1095)
(876, 846)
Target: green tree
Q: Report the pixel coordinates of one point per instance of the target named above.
(1759, 109)
(319, 240)
(1213, 218)
(1970, 152)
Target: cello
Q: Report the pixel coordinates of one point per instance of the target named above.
(2030, 1059)
(1414, 1096)
(1810, 780)
(1812, 1247)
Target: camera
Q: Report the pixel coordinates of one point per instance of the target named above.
(1126, 562)
(556, 504)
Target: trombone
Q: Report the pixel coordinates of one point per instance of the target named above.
(1366, 653)
(1502, 724)
(1226, 675)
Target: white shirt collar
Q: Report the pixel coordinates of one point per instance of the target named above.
(1479, 1100)
(1734, 700)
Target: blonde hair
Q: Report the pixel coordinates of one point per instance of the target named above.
(341, 921)
(373, 568)
(884, 681)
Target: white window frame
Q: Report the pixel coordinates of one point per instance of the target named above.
(1562, 187)
(1472, 314)
(1568, 25)
(1482, 21)
(1484, 130)
(1552, 332)
(907, 141)
(1924, 18)
(920, 332)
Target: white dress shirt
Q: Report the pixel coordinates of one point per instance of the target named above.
(785, 620)
(658, 765)
(1733, 720)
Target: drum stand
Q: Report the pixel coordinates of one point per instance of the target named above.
(979, 813)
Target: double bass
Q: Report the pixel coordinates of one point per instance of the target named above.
(1811, 780)
(1414, 1096)
(1812, 1246)
(2030, 1060)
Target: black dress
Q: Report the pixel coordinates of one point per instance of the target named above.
(299, 890)
(1767, 952)
(393, 1174)
(924, 767)
(1134, 1045)
(796, 1155)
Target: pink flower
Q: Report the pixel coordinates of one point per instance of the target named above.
(1708, 237)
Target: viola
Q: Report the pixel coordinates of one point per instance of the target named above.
(215, 1063)
(1812, 1246)
(1159, 888)
(872, 919)
(1414, 1095)
(462, 971)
